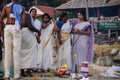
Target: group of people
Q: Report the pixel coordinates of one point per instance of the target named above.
(28, 42)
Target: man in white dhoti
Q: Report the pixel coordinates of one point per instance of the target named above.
(64, 50)
(28, 47)
(15, 14)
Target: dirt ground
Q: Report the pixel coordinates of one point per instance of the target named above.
(97, 70)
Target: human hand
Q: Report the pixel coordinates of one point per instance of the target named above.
(38, 39)
(76, 31)
(3, 45)
(60, 42)
(39, 33)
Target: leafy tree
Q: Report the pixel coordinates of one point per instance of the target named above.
(29, 3)
(53, 3)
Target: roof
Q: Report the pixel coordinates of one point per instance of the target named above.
(44, 9)
(91, 3)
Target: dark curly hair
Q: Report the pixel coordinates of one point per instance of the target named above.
(46, 14)
(62, 16)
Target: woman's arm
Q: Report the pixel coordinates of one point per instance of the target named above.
(59, 25)
(59, 37)
(56, 28)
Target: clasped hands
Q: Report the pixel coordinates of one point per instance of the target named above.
(76, 31)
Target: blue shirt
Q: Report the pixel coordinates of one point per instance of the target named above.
(59, 24)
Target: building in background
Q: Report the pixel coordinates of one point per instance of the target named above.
(96, 7)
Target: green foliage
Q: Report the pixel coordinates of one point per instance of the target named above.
(29, 3)
(53, 3)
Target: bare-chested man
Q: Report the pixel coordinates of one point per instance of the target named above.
(15, 14)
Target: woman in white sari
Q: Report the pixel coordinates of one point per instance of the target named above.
(37, 24)
(64, 50)
(28, 47)
(45, 56)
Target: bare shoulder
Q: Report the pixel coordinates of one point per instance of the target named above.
(8, 9)
(3, 12)
(4, 8)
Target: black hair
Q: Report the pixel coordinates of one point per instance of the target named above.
(33, 9)
(62, 16)
(16, 0)
(46, 14)
(83, 13)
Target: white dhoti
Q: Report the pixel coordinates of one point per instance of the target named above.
(28, 49)
(12, 50)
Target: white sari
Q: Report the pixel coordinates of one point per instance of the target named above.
(28, 49)
(82, 45)
(64, 51)
(37, 24)
(45, 56)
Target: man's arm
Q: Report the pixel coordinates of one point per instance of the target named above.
(29, 24)
(2, 29)
(3, 14)
(2, 25)
(23, 17)
(2, 33)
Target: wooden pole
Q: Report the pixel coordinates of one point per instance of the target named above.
(87, 11)
(35, 1)
(119, 11)
(98, 13)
